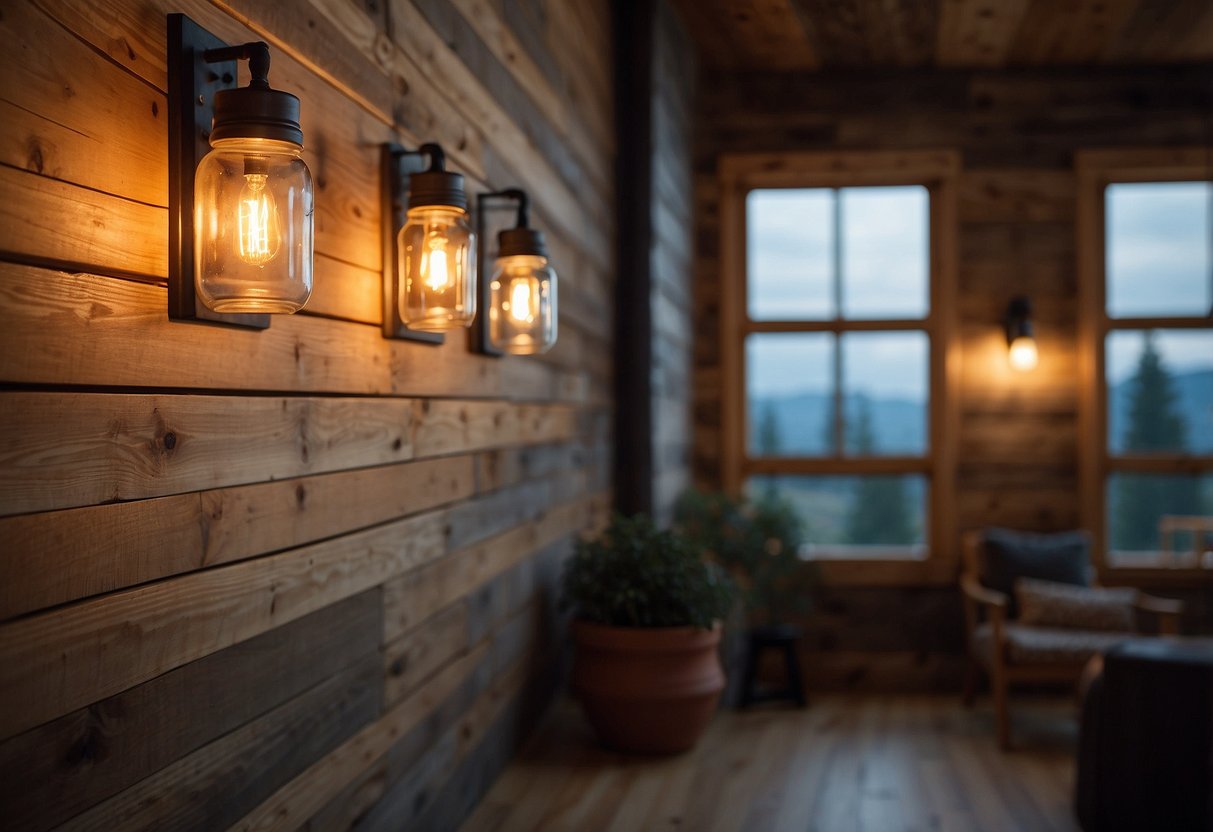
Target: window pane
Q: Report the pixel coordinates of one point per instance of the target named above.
(885, 252)
(855, 517)
(1159, 242)
(885, 381)
(790, 394)
(789, 254)
(1160, 390)
(1160, 519)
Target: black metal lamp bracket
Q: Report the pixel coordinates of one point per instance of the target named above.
(480, 328)
(199, 65)
(396, 166)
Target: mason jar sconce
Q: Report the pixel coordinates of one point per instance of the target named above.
(240, 195)
(518, 303)
(1021, 340)
(429, 248)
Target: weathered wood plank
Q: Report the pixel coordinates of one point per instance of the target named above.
(1069, 33)
(64, 659)
(87, 551)
(47, 221)
(61, 450)
(55, 771)
(406, 800)
(301, 798)
(87, 330)
(1017, 196)
(212, 787)
(414, 597)
(412, 659)
(59, 100)
(977, 32)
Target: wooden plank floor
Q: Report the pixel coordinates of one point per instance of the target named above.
(844, 764)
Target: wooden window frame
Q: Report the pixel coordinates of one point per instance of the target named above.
(1096, 169)
(936, 170)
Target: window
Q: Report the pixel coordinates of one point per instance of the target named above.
(836, 344)
(1148, 284)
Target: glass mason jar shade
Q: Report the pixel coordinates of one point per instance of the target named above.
(438, 260)
(522, 315)
(253, 226)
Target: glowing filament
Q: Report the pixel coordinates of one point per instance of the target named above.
(434, 265)
(520, 302)
(259, 237)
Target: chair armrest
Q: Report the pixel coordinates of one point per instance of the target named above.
(1168, 611)
(989, 598)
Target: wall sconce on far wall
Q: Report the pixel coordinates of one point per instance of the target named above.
(1021, 341)
(429, 248)
(518, 303)
(240, 194)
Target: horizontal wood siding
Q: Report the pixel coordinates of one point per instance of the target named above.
(298, 577)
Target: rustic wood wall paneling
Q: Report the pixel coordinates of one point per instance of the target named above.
(307, 575)
(1017, 131)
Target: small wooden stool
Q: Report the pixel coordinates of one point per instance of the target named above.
(785, 638)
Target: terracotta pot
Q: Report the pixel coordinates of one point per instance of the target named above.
(649, 690)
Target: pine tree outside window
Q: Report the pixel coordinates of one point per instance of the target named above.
(1146, 221)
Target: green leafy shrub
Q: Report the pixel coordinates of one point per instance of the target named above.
(758, 542)
(636, 575)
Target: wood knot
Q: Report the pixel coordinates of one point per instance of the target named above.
(35, 160)
(300, 495)
(398, 666)
(170, 440)
(398, 444)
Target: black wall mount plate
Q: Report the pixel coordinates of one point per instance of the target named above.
(396, 165)
(192, 84)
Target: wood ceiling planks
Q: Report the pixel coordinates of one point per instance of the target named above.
(781, 35)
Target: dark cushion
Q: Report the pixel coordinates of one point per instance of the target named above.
(1063, 558)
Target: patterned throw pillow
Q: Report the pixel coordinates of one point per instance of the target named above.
(1049, 604)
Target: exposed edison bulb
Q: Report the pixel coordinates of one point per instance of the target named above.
(437, 260)
(434, 263)
(260, 237)
(253, 227)
(520, 305)
(1022, 353)
(522, 310)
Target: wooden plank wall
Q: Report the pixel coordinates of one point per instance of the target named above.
(1017, 131)
(301, 577)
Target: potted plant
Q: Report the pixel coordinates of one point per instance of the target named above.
(758, 541)
(647, 624)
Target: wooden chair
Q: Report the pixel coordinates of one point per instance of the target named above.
(989, 633)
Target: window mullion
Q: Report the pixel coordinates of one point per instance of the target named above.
(839, 429)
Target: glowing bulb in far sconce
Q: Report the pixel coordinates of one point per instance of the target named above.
(1021, 342)
(520, 297)
(1022, 354)
(437, 250)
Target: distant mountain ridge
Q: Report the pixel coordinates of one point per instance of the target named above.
(801, 419)
(899, 425)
